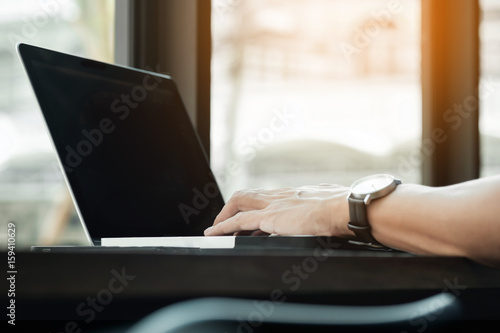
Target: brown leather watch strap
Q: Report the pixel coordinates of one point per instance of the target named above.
(359, 222)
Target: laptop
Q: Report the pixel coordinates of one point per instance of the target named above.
(135, 167)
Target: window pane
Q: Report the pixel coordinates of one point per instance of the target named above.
(490, 87)
(314, 91)
(32, 191)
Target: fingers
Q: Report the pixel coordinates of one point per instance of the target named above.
(242, 201)
(242, 221)
(251, 233)
(271, 210)
(260, 233)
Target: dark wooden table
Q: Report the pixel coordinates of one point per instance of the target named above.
(91, 287)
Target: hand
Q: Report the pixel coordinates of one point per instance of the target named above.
(310, 210)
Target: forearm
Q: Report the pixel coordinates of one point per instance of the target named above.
(458, 220)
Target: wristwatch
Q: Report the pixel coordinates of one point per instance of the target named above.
(363, 191)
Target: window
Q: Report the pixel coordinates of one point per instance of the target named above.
(313, 91)
(32, 190)
(490, 87)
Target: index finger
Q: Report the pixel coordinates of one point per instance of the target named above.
(241, 201)
(242, 221)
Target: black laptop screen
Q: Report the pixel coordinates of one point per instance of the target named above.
(128, 148)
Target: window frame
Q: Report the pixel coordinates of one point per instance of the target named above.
(450, 78)
(450, 153)
(172, 37)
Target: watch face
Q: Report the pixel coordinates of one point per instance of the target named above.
(371, 184)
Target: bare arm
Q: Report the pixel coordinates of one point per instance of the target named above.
(462, 219)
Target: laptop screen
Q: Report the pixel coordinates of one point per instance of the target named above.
(127, 146)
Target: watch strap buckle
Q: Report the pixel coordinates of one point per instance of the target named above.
(363, 233)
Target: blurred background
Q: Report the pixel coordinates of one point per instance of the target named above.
(347, 74)
(32, 189)
(303, 92)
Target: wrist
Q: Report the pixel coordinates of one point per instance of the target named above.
(387, 213)
(364, 192)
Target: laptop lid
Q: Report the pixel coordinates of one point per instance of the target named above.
(127, 148)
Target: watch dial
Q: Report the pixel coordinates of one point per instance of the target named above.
(372, 184)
